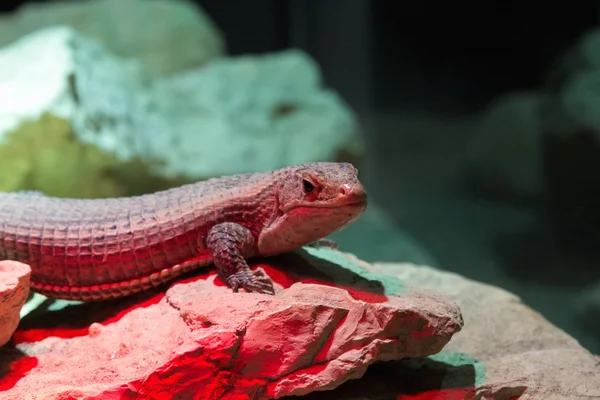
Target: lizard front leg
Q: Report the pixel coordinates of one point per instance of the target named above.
(229, 245)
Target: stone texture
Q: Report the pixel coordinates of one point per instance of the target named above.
(558, 375)
(531, 144)
(572, 88)
(123, 27)
(200, 340)
(523, 329)
(505, 156)
(254, 111)
(588, 307)
(39, 154)
(81, 82)
(505, 351)
(14, 289)
(74, 114)
(233, 115)
(572, 130)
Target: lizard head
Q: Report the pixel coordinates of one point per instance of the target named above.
(315, 200)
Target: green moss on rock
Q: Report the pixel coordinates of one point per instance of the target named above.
(45, 155)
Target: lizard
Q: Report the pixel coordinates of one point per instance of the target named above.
(105, 248)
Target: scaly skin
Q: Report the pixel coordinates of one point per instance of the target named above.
(97, 249)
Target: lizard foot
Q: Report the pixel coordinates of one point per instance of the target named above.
(324, 243)
(251, 281)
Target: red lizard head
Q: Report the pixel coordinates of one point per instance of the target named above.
(315, 200)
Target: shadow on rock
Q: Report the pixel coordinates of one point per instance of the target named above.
(412, 378)
(15, 364)
(304, 267)
(74, 319)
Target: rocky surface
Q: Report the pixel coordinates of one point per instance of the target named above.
(74, 112)
(275, 101)
(123, 27)
(505, 157)
(572, 88)
(505, 351)
(210, 121)
(14, 289)
(572, 127)
(200, 340)
(588, 306)
(530, 143)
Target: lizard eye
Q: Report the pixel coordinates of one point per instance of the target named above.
(307, 186)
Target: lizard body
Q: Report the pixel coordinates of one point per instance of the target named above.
(96, 249)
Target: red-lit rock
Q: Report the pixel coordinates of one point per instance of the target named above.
(201, 341)
(14, 289)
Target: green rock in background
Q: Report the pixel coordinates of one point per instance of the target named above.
(45, 155)
(231, 116)
(122, 27)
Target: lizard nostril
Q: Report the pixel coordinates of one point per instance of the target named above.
(345, 189)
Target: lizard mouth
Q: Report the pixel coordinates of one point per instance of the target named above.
(343, 205)
(337, 204)
(350, 198)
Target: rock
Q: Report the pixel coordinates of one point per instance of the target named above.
(200, 339)
(583, 56)
(14, 289)
(42, 165)
(571, 90)
(244, 105)
(75, 114)
(506, 156)
(123, 27)
(572, 136)
(80, 82)
(506, 350)
(529, 331)
(209, 122)
(579, 102)
(588, 307)
(455, 376)
(531, 144)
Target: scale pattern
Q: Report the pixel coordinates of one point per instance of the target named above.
(94, 249)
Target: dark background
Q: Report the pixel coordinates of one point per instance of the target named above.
(439, 56)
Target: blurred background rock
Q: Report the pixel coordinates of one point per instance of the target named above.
(475, 128)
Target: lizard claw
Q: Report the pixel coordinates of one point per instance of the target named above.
(251, 281)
